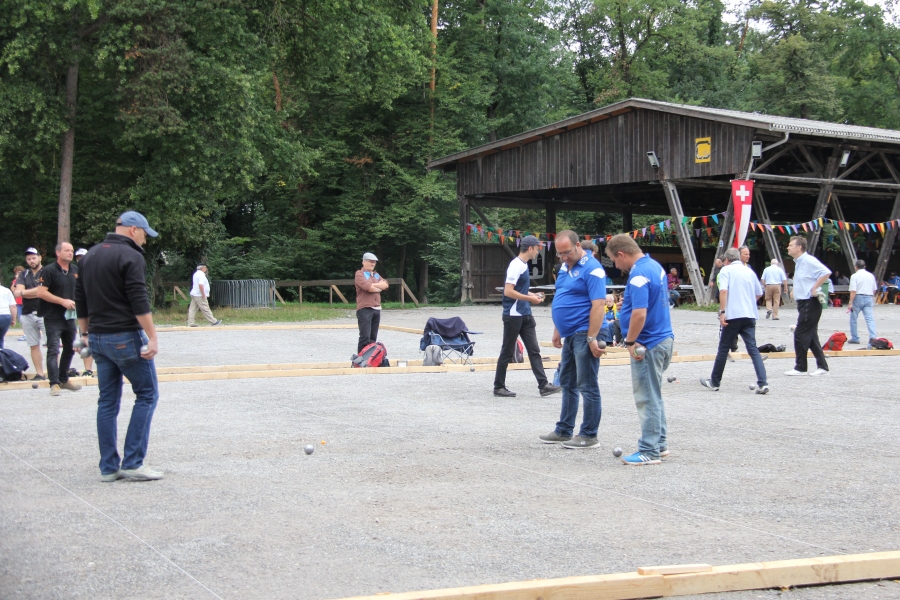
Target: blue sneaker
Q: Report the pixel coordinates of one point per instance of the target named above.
(639, 460)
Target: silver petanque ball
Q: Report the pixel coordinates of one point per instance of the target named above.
(34, 386)
(309, 448)
(752, 386)
(144, 348)
(640, 351)
(472, 368)
(671, 379)
(617, 452)
(78, 344)
(793, 327)
(85, 352)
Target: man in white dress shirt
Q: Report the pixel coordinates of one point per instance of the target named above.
(809, 275)
(862, 298)
(774, 279)
(200, 298)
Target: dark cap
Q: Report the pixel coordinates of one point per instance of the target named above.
(528, 241)
(31, 251)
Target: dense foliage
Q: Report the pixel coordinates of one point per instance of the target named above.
(283, 138)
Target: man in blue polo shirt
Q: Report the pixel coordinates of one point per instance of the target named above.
(647, 329)
(517, 321)
(578, 308)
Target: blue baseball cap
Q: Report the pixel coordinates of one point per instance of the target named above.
(135, 219)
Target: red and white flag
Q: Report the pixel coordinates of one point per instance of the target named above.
(742, 194)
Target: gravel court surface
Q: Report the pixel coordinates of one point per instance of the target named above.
(428, 481)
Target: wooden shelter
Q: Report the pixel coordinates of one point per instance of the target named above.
(598, 161)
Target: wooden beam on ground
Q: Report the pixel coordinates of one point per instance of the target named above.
(626, 586)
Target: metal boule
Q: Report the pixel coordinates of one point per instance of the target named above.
(309, 448)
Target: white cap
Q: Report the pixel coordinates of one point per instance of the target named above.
(370, 256)
(80, 252)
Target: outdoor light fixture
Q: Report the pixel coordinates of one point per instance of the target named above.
(845, 158)
(756, 149)
(654, 162)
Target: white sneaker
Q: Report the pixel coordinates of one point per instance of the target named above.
(818, 372)
(794, 373)
(142, 473)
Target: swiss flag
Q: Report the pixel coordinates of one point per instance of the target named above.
(742, 195)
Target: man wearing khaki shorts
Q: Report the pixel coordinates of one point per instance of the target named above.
(26, 287)
(773, 278)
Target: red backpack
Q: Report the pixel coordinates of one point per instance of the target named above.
(881, 344)
(835, 342)
(373, 355)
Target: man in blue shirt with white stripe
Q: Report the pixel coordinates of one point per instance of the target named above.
(578, 308)
(518, 321)
(647, 329)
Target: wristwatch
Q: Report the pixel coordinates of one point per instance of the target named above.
(590, 339)
(627, 343)
(721, 312)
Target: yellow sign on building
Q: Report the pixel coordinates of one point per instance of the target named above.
(702, 150)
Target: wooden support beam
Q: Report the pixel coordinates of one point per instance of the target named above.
(685, 242)
(771, 242)
(340, 295)
(844, 235)
(884, 255)
(177, 290)
(465, 252)
(277, 295)
(485, 220)
(409, 291)
(550, 217)
(830, 182)
(300, 294)
(787, 148)
(728, 578)
(831, 167)
(726, 235)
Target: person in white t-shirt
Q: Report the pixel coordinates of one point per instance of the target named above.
(8, 311)
(774, 278)
(739, 289)
(862, 298)
(200, 298)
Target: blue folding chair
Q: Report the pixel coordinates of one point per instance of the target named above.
(452, 337)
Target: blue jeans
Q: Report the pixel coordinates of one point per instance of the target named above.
(578, 370)
(117, 354)
(862, 304)
(646, 381)
(746, 328)
(5, 322)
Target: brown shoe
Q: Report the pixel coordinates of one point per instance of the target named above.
(74, 387)
(54, 390)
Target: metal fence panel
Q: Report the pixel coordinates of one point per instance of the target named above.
(242, 293)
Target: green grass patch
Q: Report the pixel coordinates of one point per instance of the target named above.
(713, 308)
(283, 313)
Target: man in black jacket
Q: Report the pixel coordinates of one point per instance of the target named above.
(57, 294)
(115, 320)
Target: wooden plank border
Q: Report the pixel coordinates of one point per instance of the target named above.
(628, 586)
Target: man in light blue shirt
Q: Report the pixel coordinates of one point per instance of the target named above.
(774, 277)
(647, 329)
(739, 289)
(809, 275)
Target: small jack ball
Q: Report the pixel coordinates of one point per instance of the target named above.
(617, 452)
(472, 368)
(309, 448)
(671, 379)
(34, 386)
(752, 386)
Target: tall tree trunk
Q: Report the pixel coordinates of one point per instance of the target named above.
(67, 155)
(401, 269)
(423, 282)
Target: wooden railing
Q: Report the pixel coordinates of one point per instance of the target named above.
(331, 284)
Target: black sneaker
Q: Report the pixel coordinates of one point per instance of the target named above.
(73, 373)
(87, 373)
(219, 322)
(39, 378)
(549, 388)
(504, 393)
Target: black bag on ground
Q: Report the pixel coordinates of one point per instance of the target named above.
(770, 348)
(373, 355)
(881, 344)
(12, 366)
